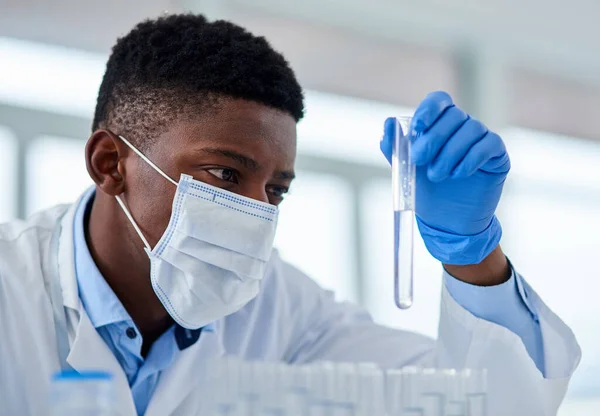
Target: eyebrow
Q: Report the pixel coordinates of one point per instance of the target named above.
(238, 157)
(284, 175)
(248, 162)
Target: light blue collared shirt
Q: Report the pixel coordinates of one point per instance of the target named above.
(116, 327)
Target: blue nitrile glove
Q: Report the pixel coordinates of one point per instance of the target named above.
(461, 168)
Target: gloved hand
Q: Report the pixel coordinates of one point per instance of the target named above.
(461, 168)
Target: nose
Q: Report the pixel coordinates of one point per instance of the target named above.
(256, 192)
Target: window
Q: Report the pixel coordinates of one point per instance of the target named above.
(32, 73)
(550, 214)
(314, 231)
(56, 172)
(8, 157)
(344, 128)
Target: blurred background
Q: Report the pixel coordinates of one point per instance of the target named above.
(528, 68)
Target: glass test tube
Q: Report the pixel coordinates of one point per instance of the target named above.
(433, 392)
(455, 394)
(299, 388)
(372, 400)
(412, 380)
(476, 391)
(224, 394)
(403, 189)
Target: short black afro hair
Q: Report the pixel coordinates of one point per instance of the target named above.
(179, 64)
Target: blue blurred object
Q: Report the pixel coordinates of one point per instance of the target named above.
(70, 375)
(461, 169)
(85, 393)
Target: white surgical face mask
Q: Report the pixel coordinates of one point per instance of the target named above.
(211, 258)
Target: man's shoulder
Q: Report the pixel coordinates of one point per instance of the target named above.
(40, 223)
(283, 276)
(284, 289)
(23, 243)
(275, 316)
(25, 308)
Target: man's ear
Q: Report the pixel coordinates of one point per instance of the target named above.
(103, 156)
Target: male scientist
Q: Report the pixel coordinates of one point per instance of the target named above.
(167, 262)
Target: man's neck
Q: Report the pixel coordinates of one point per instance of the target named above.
(119, 255)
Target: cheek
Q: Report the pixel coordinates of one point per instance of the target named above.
(150, 198)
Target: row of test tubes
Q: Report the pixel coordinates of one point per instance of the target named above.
(239, 388)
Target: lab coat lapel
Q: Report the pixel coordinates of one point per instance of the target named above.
(90, 352)
(186, 373)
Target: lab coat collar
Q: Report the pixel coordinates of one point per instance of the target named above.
(66, 260)
(90, 352)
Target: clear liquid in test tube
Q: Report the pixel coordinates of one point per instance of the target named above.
(403, 189)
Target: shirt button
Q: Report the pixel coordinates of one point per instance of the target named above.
(131, 333)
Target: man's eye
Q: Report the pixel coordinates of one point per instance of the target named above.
(224, 174)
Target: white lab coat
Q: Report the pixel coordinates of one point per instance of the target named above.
(291, 320)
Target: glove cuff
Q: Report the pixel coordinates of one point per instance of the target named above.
(461, 250)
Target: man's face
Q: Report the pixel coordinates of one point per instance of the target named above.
(243, 147)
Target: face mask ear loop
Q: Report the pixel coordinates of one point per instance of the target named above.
(148, 161)
(137, 229)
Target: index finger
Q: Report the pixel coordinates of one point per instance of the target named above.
(430, 110)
